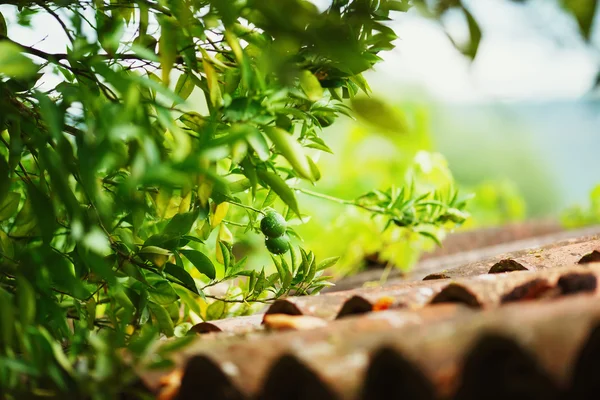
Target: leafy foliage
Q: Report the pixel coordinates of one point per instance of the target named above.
(115, 189)
(578, 216)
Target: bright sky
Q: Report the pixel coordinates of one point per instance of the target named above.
(527, 53)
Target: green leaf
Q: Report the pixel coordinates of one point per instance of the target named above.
(163, 318)
(361, 82)
(474, 33)
(431, 236)
(185, 86)
(189, 300)
(215, 310)
(153, 84)
(243, 109)
(380, 115)
(201, 262)
(269, 199)
(212, 78)
(4, 180)
(52, 115)
(398, 5)
(154, 250)
(291, 150)
(193, 120)
(259, 144)
(240, 186)
(584, 12)
(26, 301)
(43, 210)
(161, 291)
(3, 26)
(134, 271)
(181, 224)
(13, 63)
(9, 205)
(226, 254)
(326, 263)
(311, 86)
(182, 276)
(143, 339)
(279, 266)
(278, 185)
(6, 246)
(316, 173)
(167, 46)
(7, 319)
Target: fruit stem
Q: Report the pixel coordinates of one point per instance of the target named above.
(340, 201)
(235, 203)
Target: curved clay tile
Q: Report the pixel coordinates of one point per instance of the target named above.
(593, 256)
(432, 277)
(283, 306)
(574, 283)
(355, 305)
(204, 378)
(204, 327)
(534, 289)
(391, 376)
(507, 265)
(584, 383)
(497, 368)
(456, 293)
(290, 379)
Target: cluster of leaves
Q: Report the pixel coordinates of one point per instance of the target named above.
(404, 207)
(111, 185)
(578, 216)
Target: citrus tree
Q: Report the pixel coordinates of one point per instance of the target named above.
(121, 201)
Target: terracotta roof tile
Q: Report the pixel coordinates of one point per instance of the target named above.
(528, 330)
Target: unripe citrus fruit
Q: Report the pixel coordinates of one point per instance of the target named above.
(278, 245)
(273, 224)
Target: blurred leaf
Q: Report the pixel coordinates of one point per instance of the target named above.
(3, 26)
(258, 144)
(161, 292)
(431, 236)
(168, 47)
(25, 222)
(185, 86)
(474, 34)
(219, 214)
(181, 224)
(163, 318)
(26, 300)
(278, 185)
(311, 86)
(328, 262)
(584, 12)
(6, 246)
(315, 172)
(9, 205)
(13, 63)
(380, 115)
(154, 250)
(291, 150)
(215, 310)
(212, 80)
(4, 182)
(7, 317)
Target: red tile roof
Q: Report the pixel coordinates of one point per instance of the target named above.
(524, 325)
